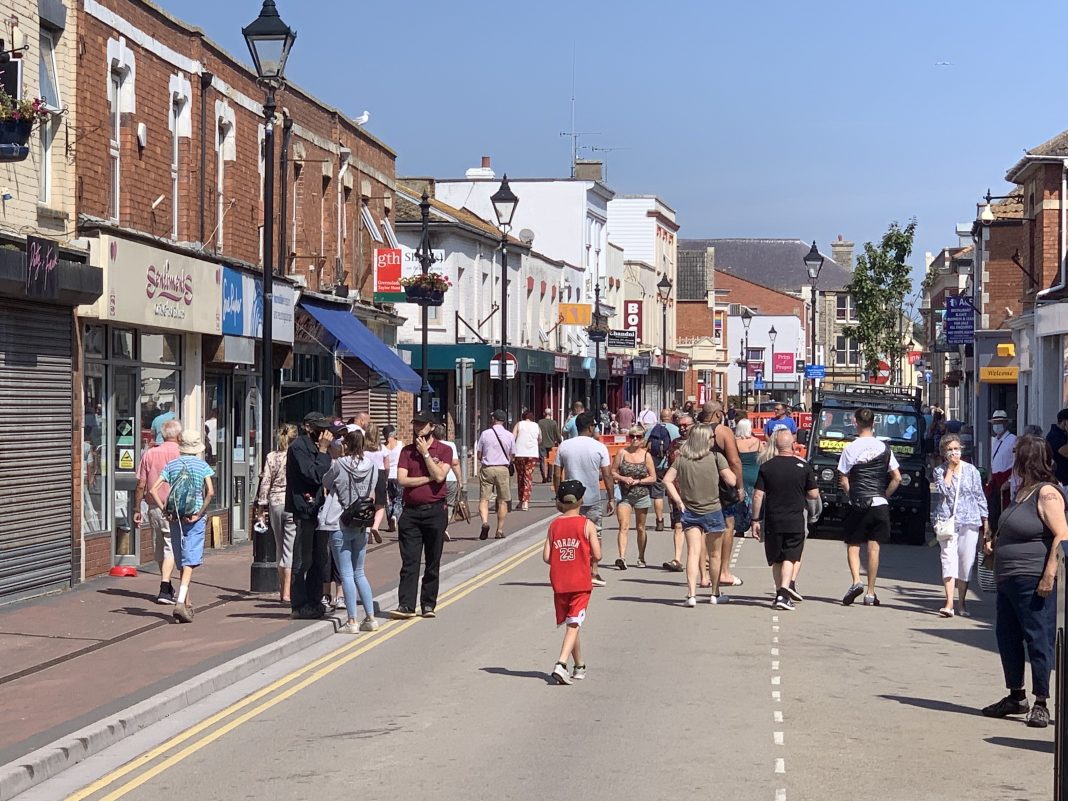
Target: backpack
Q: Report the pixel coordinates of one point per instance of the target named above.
(659, 443)
(182, 500)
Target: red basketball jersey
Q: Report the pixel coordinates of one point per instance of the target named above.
(569, 555)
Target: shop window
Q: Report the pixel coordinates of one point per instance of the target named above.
(161, 400)
(115, 141)
(94, 341)
(123, 343)
(94, 447)
(49, 82)
(161, 348)
(216, 404)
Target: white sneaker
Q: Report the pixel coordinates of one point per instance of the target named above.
(719, 599)
(579, 673)
(368, 624)
(597, 581)
(691, 601)
(559, 674)
(350, 628)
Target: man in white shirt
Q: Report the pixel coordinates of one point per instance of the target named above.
(647, 417)
(869, 474)
(1002, 446)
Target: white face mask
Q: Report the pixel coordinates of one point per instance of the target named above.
(998, 428)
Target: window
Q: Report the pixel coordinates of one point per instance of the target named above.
(391, 235)
(48, 81)
(47, 137)
(225, 132)
(114, 144)
(755, 355)
(847, 351)
(844, 310)
(369, 223)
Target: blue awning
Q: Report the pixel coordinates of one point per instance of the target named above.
(357, 338)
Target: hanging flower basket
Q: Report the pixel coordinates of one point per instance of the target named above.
(17, 118)
(426, 290)
(15, 132)
(597, 333)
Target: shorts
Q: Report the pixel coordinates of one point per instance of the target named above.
(783, 546)
(657, 491)
(188, 542)
(594, 513)
(284, 528)
(161, 533)
(494, 480)
(380, 489)
(710, 523)
(571, 607)
(641, 501)
(730, 510)
(452, 494)
(867, 525)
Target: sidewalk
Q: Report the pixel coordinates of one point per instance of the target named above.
(74, 658)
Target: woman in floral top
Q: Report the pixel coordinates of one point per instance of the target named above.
(271, 500)
(961, 497)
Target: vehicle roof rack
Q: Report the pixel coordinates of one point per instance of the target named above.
(882, 392)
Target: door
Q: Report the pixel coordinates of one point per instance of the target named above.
(125, 435)
(243, 459)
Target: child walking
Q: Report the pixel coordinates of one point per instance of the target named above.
(569, 546)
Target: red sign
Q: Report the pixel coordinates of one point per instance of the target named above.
(754, 369)
(915, 356)
(387, 271)
(782, 363)
(511, 365)
(632, 316)
(882, 375)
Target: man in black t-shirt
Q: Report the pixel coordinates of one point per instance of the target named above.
(785, 484)
(1058, 443)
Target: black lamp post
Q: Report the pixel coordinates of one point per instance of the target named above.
(747, 318)
(598, 333)
(772, 334)
(426, 258)
(504, 203)
(813, 263)
(663, 294)
(269, 41)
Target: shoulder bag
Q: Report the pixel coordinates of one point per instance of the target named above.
(946, 530)
(511, 464)
(360, 513)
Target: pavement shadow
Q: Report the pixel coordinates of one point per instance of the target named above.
(525, 584)
(637, 599)
(982, 637)
(680, 583)
(519, 674)
(136, 611)
(115, 591)
(1041, 746)
(933, 704)
(262, 615)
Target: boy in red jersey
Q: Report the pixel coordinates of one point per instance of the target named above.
(571, 543)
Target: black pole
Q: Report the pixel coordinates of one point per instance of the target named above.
(502, 375)
(426, 258)
(812, 349)
(597, 352)
(663, 358)
(264, 574)
(745, 360)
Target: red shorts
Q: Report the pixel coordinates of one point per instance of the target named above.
(571, 607)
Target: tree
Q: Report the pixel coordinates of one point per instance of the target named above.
(881, 281)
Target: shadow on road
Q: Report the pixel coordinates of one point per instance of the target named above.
(932, 703)
(520, 674)
(525, 584)
(981, 637)
(1042, 746)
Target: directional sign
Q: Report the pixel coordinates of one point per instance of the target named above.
(510, 370)
(758, 384)
(815, 371)
(959, 322)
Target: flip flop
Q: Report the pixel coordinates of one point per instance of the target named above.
(735, 582)
(675, 566)
(945, 611)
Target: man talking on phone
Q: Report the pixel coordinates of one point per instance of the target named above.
(421, 471)
(308, 460)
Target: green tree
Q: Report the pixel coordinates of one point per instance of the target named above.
(881, 281)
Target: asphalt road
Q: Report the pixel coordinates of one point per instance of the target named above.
(741, 702)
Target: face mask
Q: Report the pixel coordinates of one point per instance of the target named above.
(998, 428)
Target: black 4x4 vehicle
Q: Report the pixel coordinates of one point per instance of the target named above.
(900, 424)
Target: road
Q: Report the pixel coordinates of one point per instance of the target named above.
(735, 701)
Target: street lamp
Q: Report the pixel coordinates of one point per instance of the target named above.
(747, 318)
(663, 293)
(772, 333)
(426, 258)
(269, 41)
(813, 264)
(504, 203)
(598, 333)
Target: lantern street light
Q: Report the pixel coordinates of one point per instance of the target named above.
(813, 264)
(426, 258)
(772, 334)
(504, 203)
(597, 333)
(747, 318)
(269, 41)
(663, 294)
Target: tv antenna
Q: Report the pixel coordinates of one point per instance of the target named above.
(595, 149)
(573, 134)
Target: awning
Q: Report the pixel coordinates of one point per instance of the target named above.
(355, 337)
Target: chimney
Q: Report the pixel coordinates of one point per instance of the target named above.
(588, 170)
(483, 173)
(842, 252)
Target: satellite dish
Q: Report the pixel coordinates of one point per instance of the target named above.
(526, 236)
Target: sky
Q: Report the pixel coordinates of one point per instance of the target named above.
(776, 119)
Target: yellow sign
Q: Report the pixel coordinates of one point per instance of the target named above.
(838, 445)
(576, 313)
(126, 461)
(999, 375)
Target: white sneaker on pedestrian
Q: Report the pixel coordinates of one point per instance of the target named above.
(579, 673)
(719, 599)
(368, 624)
(598, 581)
(559, 674)
(691, 601)
(350, 628)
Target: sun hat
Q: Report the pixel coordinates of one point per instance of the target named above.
(999, 415)
(190, 443)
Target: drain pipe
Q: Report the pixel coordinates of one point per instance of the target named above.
(1063, 281)
(205, 83)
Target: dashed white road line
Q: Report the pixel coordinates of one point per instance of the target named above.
(777, 716)
(780, 765)
(776, 679)
(780, 794)
(777, 736)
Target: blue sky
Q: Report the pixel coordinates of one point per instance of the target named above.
(750, 119)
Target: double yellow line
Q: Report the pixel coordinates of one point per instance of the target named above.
(311, 673)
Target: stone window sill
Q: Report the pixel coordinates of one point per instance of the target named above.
(44, 211)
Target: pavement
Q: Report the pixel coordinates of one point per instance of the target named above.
(83, 669)
(739, 701)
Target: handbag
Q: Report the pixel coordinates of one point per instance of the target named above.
(946, 530)
(360, 513)
(511, 464)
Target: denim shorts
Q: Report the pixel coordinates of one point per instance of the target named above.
(188, 542)
(710, 523)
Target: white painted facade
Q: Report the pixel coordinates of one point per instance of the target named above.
(790, 338)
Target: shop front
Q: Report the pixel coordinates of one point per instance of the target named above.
(635, 381)
(40, 285)
(142, 347)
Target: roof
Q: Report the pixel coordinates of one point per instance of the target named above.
(407, 211)
(774, 263)
(1011, 208)
(691, 277)
(1051, 149)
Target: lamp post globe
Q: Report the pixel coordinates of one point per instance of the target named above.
(269, 41)
(504, 202)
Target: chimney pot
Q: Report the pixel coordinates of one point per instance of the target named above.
(485, 162)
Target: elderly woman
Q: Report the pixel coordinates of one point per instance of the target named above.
(962, 507)
(1030, 533)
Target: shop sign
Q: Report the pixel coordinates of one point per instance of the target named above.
(622, 339)
(576, 313)
(959, 321)
(632, 316)
(387, 272)
(782, 363)
(242, 307)
(999, 375)
(617, 367)
(678, 364)
(153, 287)
(560, 363)
(42, 258)
(639, 365)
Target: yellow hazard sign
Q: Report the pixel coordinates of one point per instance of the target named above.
(126, 460)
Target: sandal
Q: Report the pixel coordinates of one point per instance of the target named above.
(945, 611)
(675, 566)
(621, 564)
(735, 581)
(376, 536)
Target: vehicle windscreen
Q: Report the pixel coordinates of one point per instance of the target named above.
(900, 430)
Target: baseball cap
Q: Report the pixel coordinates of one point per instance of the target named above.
(338, 427)
(317, 419)
(571, 491)
(499, 414)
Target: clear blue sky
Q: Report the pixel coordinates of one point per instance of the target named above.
(750, 119)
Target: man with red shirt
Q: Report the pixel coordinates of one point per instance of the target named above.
(153, 461)
(421, 472)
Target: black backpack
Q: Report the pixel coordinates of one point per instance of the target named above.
(659, 443)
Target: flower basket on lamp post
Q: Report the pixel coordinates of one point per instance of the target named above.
(426, 290)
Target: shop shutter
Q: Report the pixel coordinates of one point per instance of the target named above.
(36, 426)
(359, 394)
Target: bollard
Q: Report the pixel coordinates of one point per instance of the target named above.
(1060, 731)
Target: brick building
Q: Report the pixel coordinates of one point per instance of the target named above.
(170, 164)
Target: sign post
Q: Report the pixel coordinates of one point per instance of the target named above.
(511, 366)
(465, 380)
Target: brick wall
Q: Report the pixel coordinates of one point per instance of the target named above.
(98, 559)
(1004, 279)
(693, 319)
(759, 298)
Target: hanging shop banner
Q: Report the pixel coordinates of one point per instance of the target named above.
(959, 321)
(632, 316)
(242, 307)
(387, 270)
(576, 313)
(622, 339)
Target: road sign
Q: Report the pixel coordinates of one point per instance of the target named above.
(815, 371)
(882, 374)
(927, 376)
(782, 363)
(799, 366)
(622, 339)
(465, 373)
(512, 366)
(958, 325)
(758, 384)
(576, 313)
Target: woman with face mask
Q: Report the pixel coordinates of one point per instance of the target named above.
(961, 515)
(1002, 445)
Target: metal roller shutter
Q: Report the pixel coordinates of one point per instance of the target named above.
(36, 425)
(379, 402)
